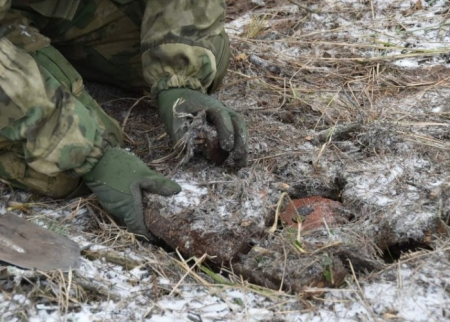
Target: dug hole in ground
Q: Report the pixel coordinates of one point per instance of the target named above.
(342, 213)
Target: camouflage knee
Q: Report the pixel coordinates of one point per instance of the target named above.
(222, 52)
(113, 134)
(16, 172)
(53, 61)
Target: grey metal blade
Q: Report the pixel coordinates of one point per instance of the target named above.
(30, 246)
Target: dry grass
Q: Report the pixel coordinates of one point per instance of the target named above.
(324, 95)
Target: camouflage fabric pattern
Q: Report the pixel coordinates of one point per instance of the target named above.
(178, 50)
(58, 132)
(141, 43)
(133, 44)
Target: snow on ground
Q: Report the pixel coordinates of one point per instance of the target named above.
(416, 288)
(410, 291)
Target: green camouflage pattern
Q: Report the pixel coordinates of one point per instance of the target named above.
(177, 43)
(15, 170)
(141, 43)
(58, 132)
(134, 44)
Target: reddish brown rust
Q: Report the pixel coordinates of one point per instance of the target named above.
(231, 246)
(313, 211)
(208, 143)
(177, 232)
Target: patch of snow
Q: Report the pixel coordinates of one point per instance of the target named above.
(407, 63)
(190, 195)
(259, 2)
(238, 25)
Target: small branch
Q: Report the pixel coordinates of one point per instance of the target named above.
(113, 258)
(95, 287)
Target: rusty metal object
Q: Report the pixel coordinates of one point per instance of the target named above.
(179, 232)
(207, 143)
(314, 211)
(274, 262)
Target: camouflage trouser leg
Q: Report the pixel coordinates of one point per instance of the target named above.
(13, 166)
(103, 43)
(15, 171)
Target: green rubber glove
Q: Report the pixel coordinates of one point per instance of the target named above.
(117, 180)
(230, 126)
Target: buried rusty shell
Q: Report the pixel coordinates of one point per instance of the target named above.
(207, 142)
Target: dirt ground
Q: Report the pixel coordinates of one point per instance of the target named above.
(344, 100)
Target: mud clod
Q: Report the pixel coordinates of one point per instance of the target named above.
(308, 186)
(281, 264)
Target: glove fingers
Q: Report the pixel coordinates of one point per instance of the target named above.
(138, 227)
(240, 137)
(222, 122)
(156, 184)
(241, 162)
(159, 185)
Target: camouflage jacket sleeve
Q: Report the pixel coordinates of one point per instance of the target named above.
(176, 43)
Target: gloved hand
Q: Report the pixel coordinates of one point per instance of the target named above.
(230, 126)
(117, 180)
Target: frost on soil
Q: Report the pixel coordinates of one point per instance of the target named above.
(344, 99)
